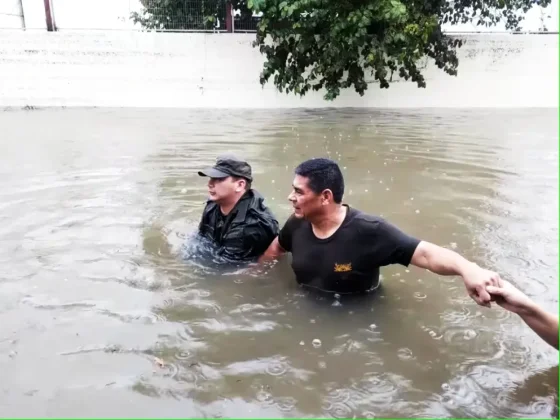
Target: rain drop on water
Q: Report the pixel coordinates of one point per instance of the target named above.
(469, 334)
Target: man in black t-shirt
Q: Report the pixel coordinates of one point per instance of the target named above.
(340, 249)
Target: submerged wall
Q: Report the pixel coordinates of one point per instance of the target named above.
(136, 69)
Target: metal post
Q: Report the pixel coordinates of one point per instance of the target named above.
(22, 14)
(229, 17)
(48, 15)
(53, 17)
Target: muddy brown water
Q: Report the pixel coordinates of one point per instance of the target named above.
(97, 207)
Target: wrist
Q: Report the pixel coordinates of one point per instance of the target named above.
(464, 267)
(529, 309)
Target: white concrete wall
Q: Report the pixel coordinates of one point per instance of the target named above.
(133, 69)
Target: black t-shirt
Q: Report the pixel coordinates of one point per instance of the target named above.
(349, 260)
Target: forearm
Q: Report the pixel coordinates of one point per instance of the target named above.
(441, 260)
(544, 323)
(274, 251)
(267, 256)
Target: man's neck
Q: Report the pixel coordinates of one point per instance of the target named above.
(227, 207)
(327, 225)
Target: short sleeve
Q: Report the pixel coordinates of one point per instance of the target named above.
(392, 245)
(286, 233)
(258, 237)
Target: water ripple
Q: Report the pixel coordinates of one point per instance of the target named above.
(277, 368)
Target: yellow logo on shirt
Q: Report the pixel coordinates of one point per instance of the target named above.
(341, 268)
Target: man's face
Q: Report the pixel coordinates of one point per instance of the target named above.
(306, 203)
(224, 189)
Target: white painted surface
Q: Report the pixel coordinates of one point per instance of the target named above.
(95, 14)
(10, 14)
(33, 10)
(133, 69)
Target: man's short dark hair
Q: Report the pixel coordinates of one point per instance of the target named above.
(323, 174)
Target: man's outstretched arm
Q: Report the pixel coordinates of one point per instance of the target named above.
(449, 263)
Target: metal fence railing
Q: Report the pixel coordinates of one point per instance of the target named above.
(244, 22)
(182, 15)
(194, 15)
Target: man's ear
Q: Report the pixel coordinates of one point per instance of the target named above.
(326, 197)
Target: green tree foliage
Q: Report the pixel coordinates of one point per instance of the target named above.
(337, 44)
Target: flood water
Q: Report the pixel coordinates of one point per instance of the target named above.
(104, 313)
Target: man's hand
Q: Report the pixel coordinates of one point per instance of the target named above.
(511, 298)
(477, 280)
